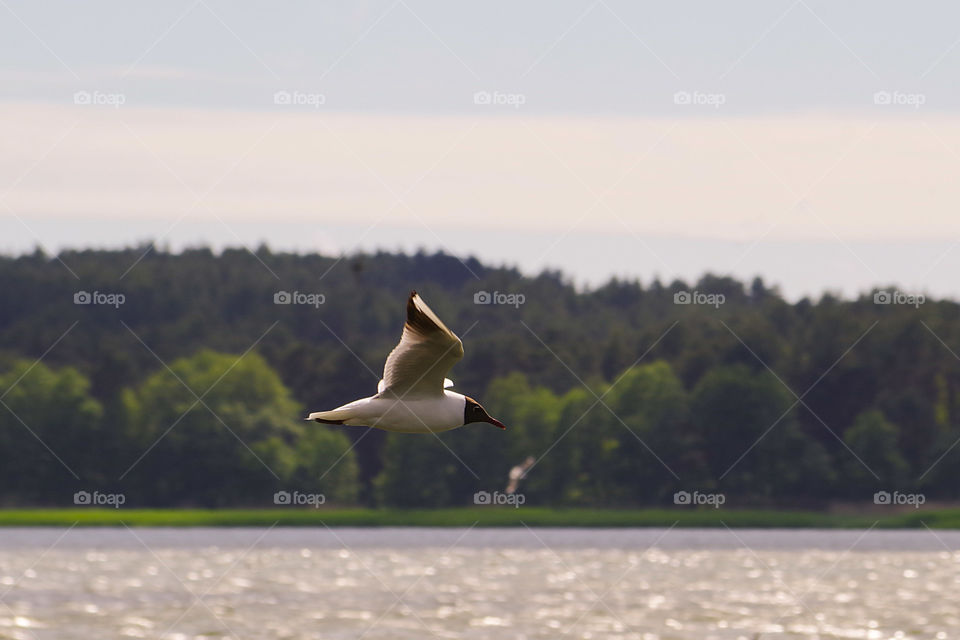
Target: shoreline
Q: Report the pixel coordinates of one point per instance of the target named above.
(480, 517)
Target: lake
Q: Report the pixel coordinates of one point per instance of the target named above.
(506, 584)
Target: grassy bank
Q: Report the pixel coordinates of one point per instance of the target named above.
(481, 516)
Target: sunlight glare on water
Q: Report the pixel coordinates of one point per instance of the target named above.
(287, 591)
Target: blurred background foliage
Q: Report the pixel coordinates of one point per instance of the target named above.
(192, 392)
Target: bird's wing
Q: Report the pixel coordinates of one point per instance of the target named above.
(427, 350)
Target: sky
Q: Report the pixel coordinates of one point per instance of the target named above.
(814, 144)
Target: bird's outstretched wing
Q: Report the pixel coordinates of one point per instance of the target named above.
(419, 364)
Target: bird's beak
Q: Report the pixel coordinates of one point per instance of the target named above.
(496, 422)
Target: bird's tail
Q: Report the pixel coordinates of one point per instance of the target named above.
(337, 416)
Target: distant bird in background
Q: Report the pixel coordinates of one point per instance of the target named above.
(518, 473)
(413, 396)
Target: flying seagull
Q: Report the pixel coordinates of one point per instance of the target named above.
(519, 473)
(413, 396)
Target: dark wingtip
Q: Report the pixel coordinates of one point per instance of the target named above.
(411, 305)
(411, 308)
(416, 319)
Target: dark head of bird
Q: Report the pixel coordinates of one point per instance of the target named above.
(473, 412)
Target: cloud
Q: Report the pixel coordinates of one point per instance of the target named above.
(773, 177)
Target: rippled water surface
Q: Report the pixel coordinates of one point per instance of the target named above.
(502, 584)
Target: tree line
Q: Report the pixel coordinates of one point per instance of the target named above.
(182, 380)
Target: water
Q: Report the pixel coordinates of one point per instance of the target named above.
(506, 584)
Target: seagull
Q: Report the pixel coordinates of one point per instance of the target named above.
(519, 473)
(413, 396)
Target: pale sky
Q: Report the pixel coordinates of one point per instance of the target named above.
(816, 144)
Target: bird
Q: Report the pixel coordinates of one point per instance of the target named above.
(414, 395)
(519, 473)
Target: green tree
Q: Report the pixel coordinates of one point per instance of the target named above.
(532, 417)
(216, 430)
(878, 462)
(568, 469)
(50, 434)
(657, 445)
(417, 471)
(325, 463)
(752, 443)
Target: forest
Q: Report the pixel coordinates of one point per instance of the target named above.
(182, 379)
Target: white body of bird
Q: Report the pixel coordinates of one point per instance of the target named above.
(409, 415)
